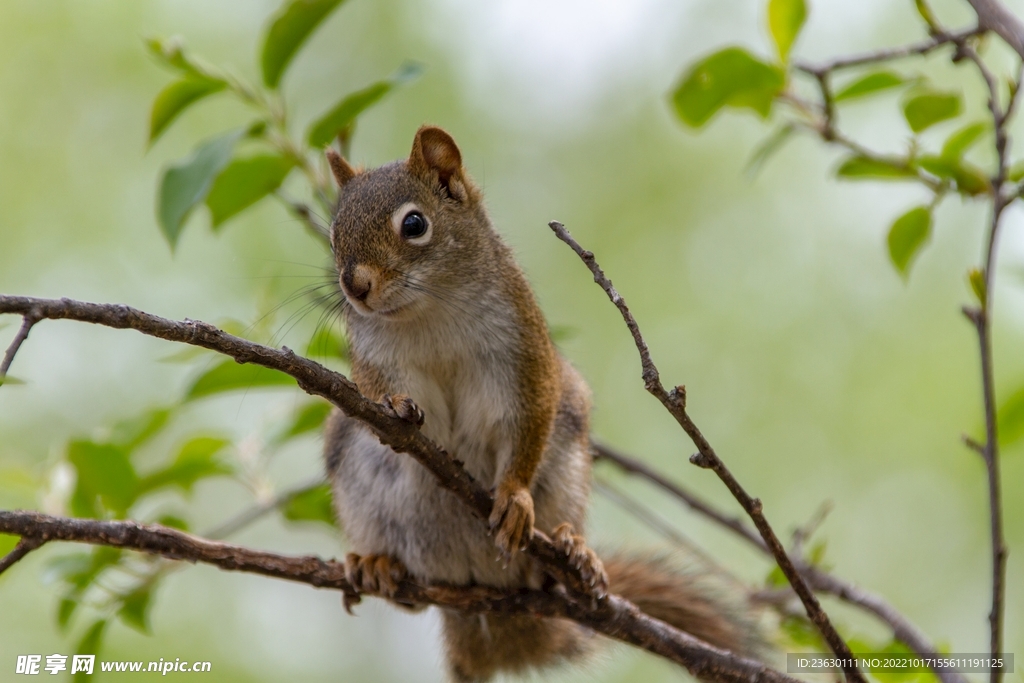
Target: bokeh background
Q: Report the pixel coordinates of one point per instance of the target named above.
(815, 370)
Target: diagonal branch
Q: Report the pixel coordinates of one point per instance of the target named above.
(820, 580)
(24, 547)
(27, 322)
(611, 618)
(994, 16)
(634, 466)
(675, 402)
(610, 614)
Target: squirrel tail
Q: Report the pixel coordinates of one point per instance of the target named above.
(478, 646)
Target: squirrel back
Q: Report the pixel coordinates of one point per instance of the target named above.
(443, 325)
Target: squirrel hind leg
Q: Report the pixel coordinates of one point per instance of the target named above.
(478, 646)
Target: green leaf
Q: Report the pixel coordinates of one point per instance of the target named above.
(134, 610)
(776, 578)
(185, 185)
(785, 19)
(173, 522)
(907, 235)
(10, 379)
(343, 114)
(977, 281)
(803, 633)
(92, 640)
(772, 144)
(131, 433)
(928, 108)
(65, 610)
(171, 52)
(970, 180)
(308, 419)
(231, 376)
(1016, 173)
(7, 543)
(960, 141)
(1010, 419)
(196, 460)
(926, 13)
(326, 343)
(290, 28)
(244, 182)
(176, 98)
(731, 77)
(312, 505)
(104, 471)
(90, 644)
(858, 167)
(869, 84)
(563, 333)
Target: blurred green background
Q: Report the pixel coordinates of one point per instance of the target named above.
(817, 373)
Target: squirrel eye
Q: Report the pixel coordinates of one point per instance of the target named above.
(414, 225)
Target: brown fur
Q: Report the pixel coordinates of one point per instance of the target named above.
(444, 326)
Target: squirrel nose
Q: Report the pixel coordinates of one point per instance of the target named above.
(356, 282)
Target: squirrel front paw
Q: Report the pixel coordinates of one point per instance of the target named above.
(581, 557)
(403, 407)
(512, 519)
(377, 574)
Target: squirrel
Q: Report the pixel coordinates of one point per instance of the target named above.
(443, 328)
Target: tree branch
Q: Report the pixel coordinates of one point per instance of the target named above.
(634, 466)
(609, 614)
(995, 17)
(615, 617)
(24, 547)
(675, 402)
(823, 582)
(28, 320)
(914, 50)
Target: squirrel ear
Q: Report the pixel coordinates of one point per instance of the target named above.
(339, 167)
(434, 151)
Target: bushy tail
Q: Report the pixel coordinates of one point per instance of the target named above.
(480, 645)
(690, 601)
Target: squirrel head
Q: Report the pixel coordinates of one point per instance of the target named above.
(410, 234)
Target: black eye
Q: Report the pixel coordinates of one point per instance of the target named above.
(414, 225)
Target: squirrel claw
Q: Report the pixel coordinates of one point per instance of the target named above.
(511, 520)
(375, 574)
(581, 557)
(403, 407)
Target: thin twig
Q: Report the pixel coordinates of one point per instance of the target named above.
(675, 402)
(634, 466)
(616, 618)
(247, 517)
(305, 214)
(914, 50)
(27, 322)
(655, 522)
(820, 580)
(996, 17)
(24, 547)
(981, 317)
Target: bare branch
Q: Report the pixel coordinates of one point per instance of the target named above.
(23, 548)
(675, 402)
(27, 322)
(610, 614)
(634, 466)
(914, 50)
(614, 617)
(995, 17)
(819, 580)
(247, 517)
